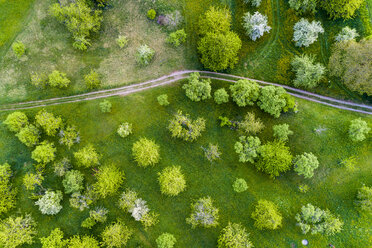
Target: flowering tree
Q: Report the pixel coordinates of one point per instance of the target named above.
(306, 33)
(203, 213)
(48, 122)
(303, 6)
(346, 34)
(255, 25)
(69, 136)
(182, 126)
(144, 55)
(50, 202)
(308, 73)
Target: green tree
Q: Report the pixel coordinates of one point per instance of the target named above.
(62, 166)
(266, 215)
(73, 181)
(163, 100)
(69, 136)
(171, 181)
(151, 14)
(54, 240)
(221, 96)
(281, 131)
(97, 215)
(234, 236)
(251, 124)
(125, 129)
(83, 242)
(7, 191)
(305, 164)
(39, 80)
(203, 213)
(358, 130)
(274, 158)
(48, 122)
(92, 80)
(18, 48)
(116, 235)
(105, 106)
(109, 179)
(177, 37)
(29, 135)
(166, 240)
(183, 127)
(144, 55)
(364, 200)
(16, 121)
(240, 185)
(272, 100)
(32, 180)
(146, 152)
(245, 92)
(44, 153)
(16, 231)
(50, 202)
(58, 79)
(211, 152)
(308, 74)
(87, 156)
(196, 89)
(247, 148)
(341, 8)
(215, 20)
(303, 6)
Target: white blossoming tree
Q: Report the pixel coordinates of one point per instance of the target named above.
(50, 203)
(346, 34)
(306, 33)
(255, 25)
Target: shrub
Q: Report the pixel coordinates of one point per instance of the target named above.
(7, 191)
(305, 164)
(308, 74)
(212, 152)
(255, 25)
(247, 148)
(245, 92)
(61, 167)
(183, 127)
(281, 132)
(177, 37)
(341, 8)
(58, 79)
(171, 20)
(109, 179)
(151, 14)
(116, 235)
(54, 240)
(92, 80)
(266, 215)
(240, 185)
(303, 6)
(272, 100)
(234, 236)
(358, 130)
(303, 188)
(127, 200)
(73, 181)
(16, 121)
(122, 41)
(87, 157)
(215, 20)
(124, 129)
(105, 106)
(306, 33)
(221, 96)
(48, 122)
(364, 200)
(316, 220)
(50, 202)
(166, 240)
(18, 48)
(163, 100)
(39, 80)
(254, 3)
(203, 213)
(16, 231)
(82, 242)
(44, 153)
(196, 89)
(144, 55)
(29, 135)
(171, 181)
(346, 34)
(251, 124)
(146, 152)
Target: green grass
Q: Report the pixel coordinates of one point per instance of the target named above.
(332, 187)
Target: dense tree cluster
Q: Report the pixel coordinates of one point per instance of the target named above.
(221, 96)
(87, 156)
(274, 100)
(7, 191)
(50, 202)
(116, 235)
(282, 131)
(16, 231)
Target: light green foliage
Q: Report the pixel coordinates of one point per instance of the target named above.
(151, 14)
(177, 37)
(211, 152)
(54, 240)
(272, 100)
(109, 179)
(146, 152)
(234, 236)
(240, 185)
(18, 48)
(144, 55)
(97, 215)
(92, 80)
(316, 220)
(44, 153)
(61, 167)
(116, 235)
(346, 34)
(32, 180)
(221, 96)
(303, 188)
(364, 200)
(203, 213)
(171, 181)
(303, 6)
(150, 219)
(305, 164)
(58, 79)
(247, 148)
(16, 231)
(163, 100)
(127, 200)
(290, 103)
(341, 8)
(48, 122)
(87, 156)
(266, 215)
(88, 223)
(7, 191)
(166, 240)
(82, 201)
(29, 135)
(308, 74)
(83, 242)
(196, 89)
(105, 106)
(39, 80)
(73, 181)
(79, 19)
(16, 121)
(225, 121)
(124, 129)
(122, 41)
(358, 130)
(183, 127)
(50, 203)
(274, 158)
(351, 62)
(215, 20)
(245, 92)
(281, 132)
(69, 136)
(251, 124)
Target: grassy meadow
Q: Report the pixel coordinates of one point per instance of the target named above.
(333, 186)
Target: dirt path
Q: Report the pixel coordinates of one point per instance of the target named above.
(176, 76)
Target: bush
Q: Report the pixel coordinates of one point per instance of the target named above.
(240, 185)
(87, 157)
(29, 135)
(303, 6)
(308, 74)
(171, 181)
(82, 242)
(215, 20)
(39, 80)
(341, 8)
(306, 33)
(281, 132)
(203, 213)
(273, 100)
(54, 240)
(251, 124)
(196, 89)
(144, 55)
(151, 14)
(109, 179)
(255, 25)
(16, 121)
(254, 3)
(163, 100)
(245, 92)
(116, 235)
(50, 202)
(73, 181)
(122, 41)
(183, 127)
(44, 153)
(234, 236)
(364, 200)
(7, 191)
(48, 122)
(58, 79)
(92, 80)
(146, 152)
(177, 37)
(247, 148)
(346, 34)
(358, 130)
(16, 231)
(124, 129)
(105, 106)
(18, 48)
(305, 164)
(166, 240)
(221, 96)
(266, 215)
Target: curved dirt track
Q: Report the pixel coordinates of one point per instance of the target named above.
(176, 76)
